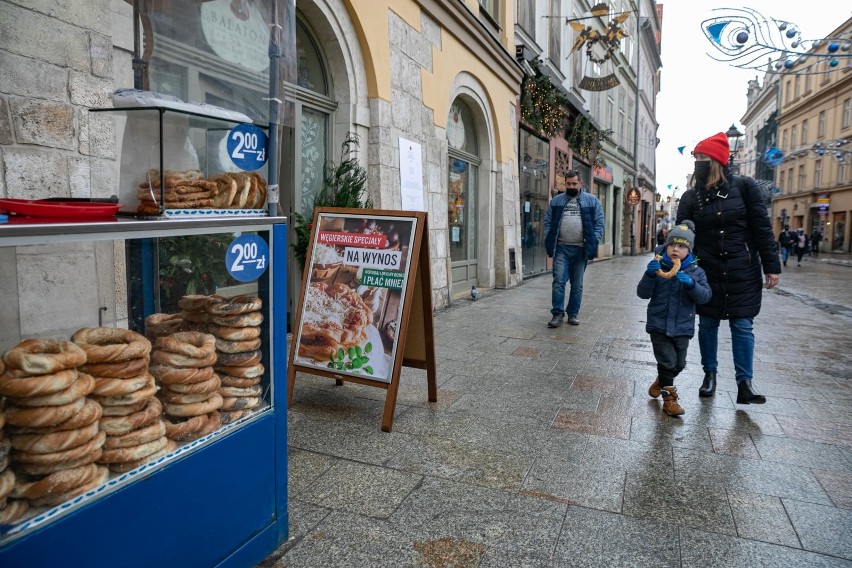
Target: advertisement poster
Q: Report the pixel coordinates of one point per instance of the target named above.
(354, 293)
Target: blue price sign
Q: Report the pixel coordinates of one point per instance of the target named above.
(247, 146)
(247, 258)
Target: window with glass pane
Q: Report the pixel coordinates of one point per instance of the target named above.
(490, 6)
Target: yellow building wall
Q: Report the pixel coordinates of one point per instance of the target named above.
(370, 18)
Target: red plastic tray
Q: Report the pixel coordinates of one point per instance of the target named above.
(71, 210)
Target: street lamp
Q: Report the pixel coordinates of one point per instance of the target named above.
(734, 136)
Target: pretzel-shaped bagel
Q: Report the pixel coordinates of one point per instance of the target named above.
(195, 408)
(235, 333)
(62, 456)
(127, 466)
(190, 343)
(172, 359)
(45, 469)
(162, 324)
(234, 306)
(42, 416)
(111, 344)
(53, 499)
(210, 385)
(242, 359)
(91, 412)
(239, 382)
(56, 482)
(119, 370)
(78, 389)
(242, 371)
(44, 356)
(185, 430)
(19, 384)
(118, 425)
(133, 453)
(119, 387)
(670, 273)
(226, 346)
(239, 320)
(54, 442)
(153, 431)
(132, 398)
(168, 375)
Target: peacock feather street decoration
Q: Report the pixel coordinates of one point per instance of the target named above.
(600, 46)
(747, 39)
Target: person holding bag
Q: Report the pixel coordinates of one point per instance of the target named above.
(737, 250)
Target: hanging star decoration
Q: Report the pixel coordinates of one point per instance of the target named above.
(747, 39)
(600, 46)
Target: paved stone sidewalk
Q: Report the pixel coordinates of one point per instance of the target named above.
(544, 449)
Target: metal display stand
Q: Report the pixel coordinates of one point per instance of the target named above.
(218, 501)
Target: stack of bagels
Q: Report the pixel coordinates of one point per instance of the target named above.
(157, 325)
(118, 360)
(52, 424)
(183, 365)
(235, 322)
(10, 509)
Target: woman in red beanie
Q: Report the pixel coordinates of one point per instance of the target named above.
(735, 244)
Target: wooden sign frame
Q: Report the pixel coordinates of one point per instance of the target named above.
(366, 235)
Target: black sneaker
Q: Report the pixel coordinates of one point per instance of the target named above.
(555, 322)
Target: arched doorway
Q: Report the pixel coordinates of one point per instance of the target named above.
(462, 196)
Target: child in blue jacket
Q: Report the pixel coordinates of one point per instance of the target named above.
(671, 311)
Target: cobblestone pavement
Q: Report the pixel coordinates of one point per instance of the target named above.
(545, 450)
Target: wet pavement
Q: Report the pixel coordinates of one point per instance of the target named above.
(545, 450)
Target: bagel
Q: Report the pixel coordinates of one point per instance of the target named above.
(195, 317)
(190, 343)
(210, 385)
(143, 435)
(101, 477)
(194, 302)
(170, 397)
(125, 409)
(195, 408)
(162, 324)
(55, 441)
(184, 430)
(118, 425)
(181, 376)
(90, 413)
(111, 344)
(42, 416)
(178, 360)
(122, 455)
(226, 346)
(252, 391)
(239, 382)
(120, 370)
(7, 483)
(36, 469)
(234, 306)
(240, 402)
(56, 482)
(670, 273)
(14, 510)
(250, 319)
(78, 389)
(214, 422)
(127, 466)
(118, 387)
(246, 372)
(64, 456)
(234, 333)
(44, 356)
(133, 398)
(20, 384)
(245, 359)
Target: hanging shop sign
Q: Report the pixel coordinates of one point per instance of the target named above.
(366, 305)
(633, 196)
(237, 32)
(603, 173)
(823, 203)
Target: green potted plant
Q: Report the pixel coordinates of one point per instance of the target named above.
(344, 185)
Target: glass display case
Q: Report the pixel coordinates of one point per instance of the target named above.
(143, 384)
(180, 163)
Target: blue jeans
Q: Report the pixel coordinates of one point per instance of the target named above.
(742, 345)
(785, 254)
(569, 265)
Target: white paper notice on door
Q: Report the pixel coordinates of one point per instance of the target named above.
(411, 175)
(456, 234)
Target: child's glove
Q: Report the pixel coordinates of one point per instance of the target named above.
(685, 279)
(652, 268)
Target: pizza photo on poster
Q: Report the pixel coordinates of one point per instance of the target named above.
(354, 293)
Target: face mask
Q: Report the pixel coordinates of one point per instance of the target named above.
(702, 172)
(572, 192)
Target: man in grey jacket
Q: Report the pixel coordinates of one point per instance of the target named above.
(573, 227)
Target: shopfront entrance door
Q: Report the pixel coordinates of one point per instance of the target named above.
(461, 211)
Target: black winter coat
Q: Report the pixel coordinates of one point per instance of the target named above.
(733, 239)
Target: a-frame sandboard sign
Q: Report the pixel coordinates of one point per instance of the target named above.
(365, 308)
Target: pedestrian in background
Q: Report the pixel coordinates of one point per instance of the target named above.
(816, 239)
(802, 244)
(573, 227)
(734, 240)
(661, 236)
(671, 312)
(786, 240)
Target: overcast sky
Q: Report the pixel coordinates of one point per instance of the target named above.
(700, 97)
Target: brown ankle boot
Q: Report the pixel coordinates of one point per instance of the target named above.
(654, 390)
(670, 405)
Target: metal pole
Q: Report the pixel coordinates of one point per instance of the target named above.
(275, 103)
(632, 230)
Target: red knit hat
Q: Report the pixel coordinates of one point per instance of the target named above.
(717, 147)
